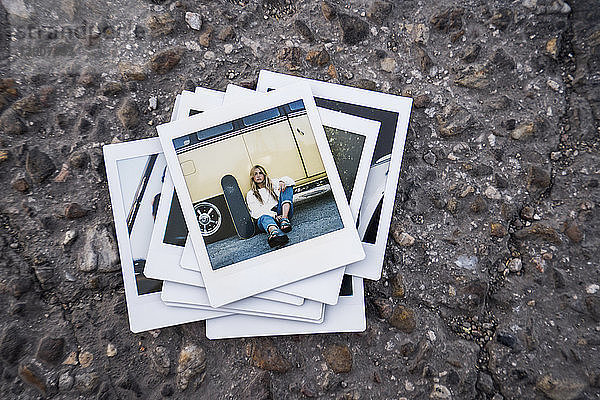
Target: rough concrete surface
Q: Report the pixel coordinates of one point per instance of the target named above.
(490, 284)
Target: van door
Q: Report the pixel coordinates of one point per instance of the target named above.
(270, 143)
(305, 139)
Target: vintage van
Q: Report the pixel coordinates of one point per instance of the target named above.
(280, 139)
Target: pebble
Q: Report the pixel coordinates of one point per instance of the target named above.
(379, 11)
(466, 262)
(39, 165)
(20, 184)
(338, 358)
(111, 350)
(303, 30)
(551, 47)
(227, 33)
(191, 363)
(403, 238)
(453, 120)
(423, 59)
(33, 376)
(440, 392)
(70, 237)
(448, 20)
(264, 355)
(65, 382)
(492, 193)
(539, 231)
(74, 211)
(10, 123)
(88, 77)
(515, 265)
(161, 360)
(131, 72)
(421, 101)
(193, 20)
(100, 251)
(523, 131)
(388, 64)
(165, 60)
(206, 36)
(209, 55)
(50, 350)
(398, 289)
(384, 307)
(403, 318)
(538, 179)
(497, 230)
(553, 85)
(592, 289)
(485, 383)
(354, 29)
(592, 304)
(11, 344)
(87, 382)
(470, 53)
(128, 113)
(328, 11)
(573, 232)
(152, 103)
(318, 58)
(560, 388)
(79, 160)
(473, 78)
(85, 359)
(160, 24)
(228, 48)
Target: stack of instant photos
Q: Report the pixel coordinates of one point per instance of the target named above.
(260, 212)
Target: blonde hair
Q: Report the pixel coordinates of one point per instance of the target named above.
(268, 184)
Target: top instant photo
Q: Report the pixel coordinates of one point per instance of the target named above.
(254, 160)
(393, 112)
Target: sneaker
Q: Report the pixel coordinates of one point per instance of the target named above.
(277, 238)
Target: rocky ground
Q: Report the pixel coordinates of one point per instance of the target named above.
(490, 287)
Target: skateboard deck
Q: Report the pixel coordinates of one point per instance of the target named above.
(242, 221)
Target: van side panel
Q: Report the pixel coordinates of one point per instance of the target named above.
(273, 147)
(209, 167)
(308, 145)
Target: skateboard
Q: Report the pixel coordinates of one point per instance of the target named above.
(242, 221)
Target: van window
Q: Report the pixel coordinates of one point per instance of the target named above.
(296, 105)
(261, 116)
(180, 142)
(214, 131)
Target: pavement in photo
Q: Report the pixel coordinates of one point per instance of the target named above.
(311, 219)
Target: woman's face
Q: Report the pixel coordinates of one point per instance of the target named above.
(257, 176)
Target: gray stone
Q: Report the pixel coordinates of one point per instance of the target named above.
(39, 165)
(354, 29)
(100, 251)
(191, 364)
(194, 20)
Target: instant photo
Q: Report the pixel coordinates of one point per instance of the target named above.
(216, 157)
(134, 173)
(352, 141)
(348, 315)
(393, 112)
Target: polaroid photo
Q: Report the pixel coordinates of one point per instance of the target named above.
(212, 154)
(393, 112)
(191, 296)
(352, 141)
(166, 247)
(192, 103)
(250, 313)
(170, 232)
(134, 172)
(348, 315)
